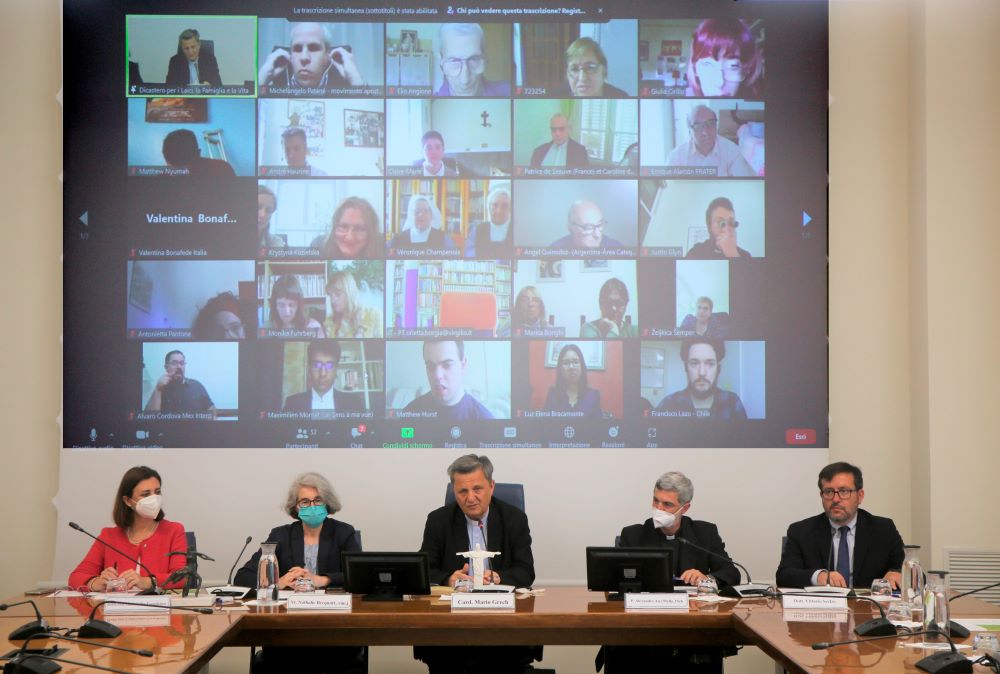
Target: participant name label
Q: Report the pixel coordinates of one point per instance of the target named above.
(320, 602)
(138, 604)
(830, 603)
(673, 601)
(472, 600)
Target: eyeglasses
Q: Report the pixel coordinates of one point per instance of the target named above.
(730, 69)
(344, 230)
(731, 224)
(176, 363)
(571, 363)
(590, 229)
(321, 366)
(708, 123)
(589, 68)
(306, 502)
(453, 66)
(843, 493)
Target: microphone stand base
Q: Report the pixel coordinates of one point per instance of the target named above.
(98, 629)
(877, 627)
(746, 590)
(23, 665)
(945, 663)
(28, 630)
(150, 592)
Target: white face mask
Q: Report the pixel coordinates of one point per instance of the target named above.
(149, 506)
(663, 519)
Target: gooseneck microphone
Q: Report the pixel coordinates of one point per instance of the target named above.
(748, 589)
(35, 663)
(228, 591)
(978, 589)
(153, 589)
(946, 662)
(140, 651)
(95, 628)
(30, 629)
(958, 629)
(229, 580)
(876, 627)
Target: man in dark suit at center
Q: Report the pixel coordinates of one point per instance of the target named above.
(477, 518)
(562, 151)
(844, 546)
(322, 398)
(670, 527)
(190, 65)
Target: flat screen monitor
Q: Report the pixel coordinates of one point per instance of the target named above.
(386, 576)
(621, 570)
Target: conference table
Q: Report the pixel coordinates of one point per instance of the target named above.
(185, 642)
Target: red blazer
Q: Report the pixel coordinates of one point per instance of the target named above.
(168, 537)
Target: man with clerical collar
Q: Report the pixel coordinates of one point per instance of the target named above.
(669, 525)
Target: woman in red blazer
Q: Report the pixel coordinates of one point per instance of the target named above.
(140, 531)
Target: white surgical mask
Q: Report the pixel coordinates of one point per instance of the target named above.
(149, 506)
(663, 519)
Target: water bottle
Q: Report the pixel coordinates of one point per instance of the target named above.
(911, 590)
(936, 603)
(267, 575)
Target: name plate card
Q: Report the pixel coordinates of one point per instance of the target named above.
(807, 616)
(481, 601)
(673, 601)
(158, 619)
(320, 602)
(814, 602)
(151, 603)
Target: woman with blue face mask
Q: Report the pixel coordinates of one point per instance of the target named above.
(310, 546)
(308, 551)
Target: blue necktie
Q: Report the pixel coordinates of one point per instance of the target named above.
(844, 556)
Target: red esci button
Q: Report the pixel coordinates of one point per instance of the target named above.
(800, 436)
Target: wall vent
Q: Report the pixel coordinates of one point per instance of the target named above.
(969, 568)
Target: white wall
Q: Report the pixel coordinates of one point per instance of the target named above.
(460, 122)
(573, 499)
